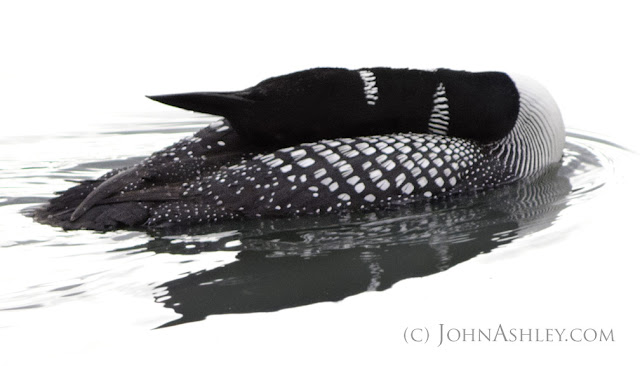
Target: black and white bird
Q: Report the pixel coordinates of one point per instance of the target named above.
(328, 140)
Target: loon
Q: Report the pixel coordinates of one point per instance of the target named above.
(327, 140)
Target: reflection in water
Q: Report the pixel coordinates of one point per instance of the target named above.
(286, 263)
(280, 263)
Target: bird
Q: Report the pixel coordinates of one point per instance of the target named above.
(325, 141)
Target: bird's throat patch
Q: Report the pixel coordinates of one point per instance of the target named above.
(370, 88)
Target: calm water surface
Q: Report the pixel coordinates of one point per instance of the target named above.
(168, 279)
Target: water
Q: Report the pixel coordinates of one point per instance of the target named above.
(269, 280)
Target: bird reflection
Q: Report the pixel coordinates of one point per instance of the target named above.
(284, 263)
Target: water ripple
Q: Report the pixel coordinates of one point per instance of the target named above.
(271, 264)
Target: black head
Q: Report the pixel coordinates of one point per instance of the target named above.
(332, 102)
(482, 106)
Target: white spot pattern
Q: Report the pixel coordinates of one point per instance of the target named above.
(332, 175)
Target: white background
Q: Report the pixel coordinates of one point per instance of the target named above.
(69, 65)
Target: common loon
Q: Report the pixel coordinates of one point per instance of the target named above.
(327, 140)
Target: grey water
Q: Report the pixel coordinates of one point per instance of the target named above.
(166, 279)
